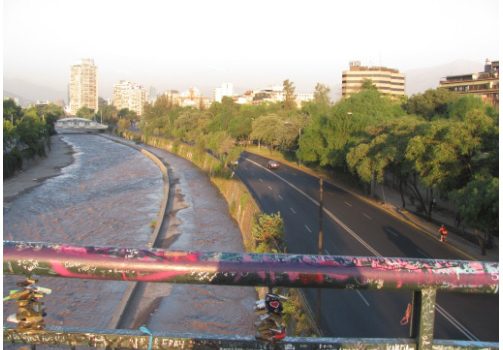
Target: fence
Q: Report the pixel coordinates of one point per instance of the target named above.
(424, 276)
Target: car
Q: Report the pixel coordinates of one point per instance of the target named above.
(272, 164)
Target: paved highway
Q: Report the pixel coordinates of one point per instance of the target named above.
(354, 227)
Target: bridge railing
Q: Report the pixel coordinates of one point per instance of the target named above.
(423, 276)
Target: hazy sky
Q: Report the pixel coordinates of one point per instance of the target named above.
(177, 44)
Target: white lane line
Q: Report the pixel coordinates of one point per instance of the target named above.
(279, 196)
(269, 187)
(348, 204)
(456, 323)
(363, 298)
(307, 228)
(445, 314)
(325, 210)
(367, 216)
(260, 179)
(293, 211)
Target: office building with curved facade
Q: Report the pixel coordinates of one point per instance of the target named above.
(388, 81)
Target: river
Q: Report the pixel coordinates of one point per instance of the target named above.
(108, 197)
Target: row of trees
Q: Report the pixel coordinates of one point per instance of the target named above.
(109, 114)
(434, 144)
(26, 132)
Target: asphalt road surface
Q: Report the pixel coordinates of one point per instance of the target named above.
(354, 227)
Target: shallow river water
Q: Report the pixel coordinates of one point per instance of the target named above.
(107, 197)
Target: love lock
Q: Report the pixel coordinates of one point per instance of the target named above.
(30, 312)
(270, 324)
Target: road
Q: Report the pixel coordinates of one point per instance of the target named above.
(354, 227)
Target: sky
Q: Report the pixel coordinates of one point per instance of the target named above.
(252, 44)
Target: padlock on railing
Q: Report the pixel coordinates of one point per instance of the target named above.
(270, 325)
(30, 311)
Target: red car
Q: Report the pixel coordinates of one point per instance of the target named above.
(272, 164)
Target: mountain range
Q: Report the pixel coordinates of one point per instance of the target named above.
(416, 81)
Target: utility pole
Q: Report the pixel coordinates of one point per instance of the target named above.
(320, 252)
(320, 233)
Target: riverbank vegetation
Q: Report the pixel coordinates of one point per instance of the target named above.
(26, 133)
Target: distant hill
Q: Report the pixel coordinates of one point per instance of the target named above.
(28, 92)
(419, 80)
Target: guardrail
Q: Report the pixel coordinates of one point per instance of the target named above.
(424, 276)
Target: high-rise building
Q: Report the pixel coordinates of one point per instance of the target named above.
(83, 88)
(129, 95)
(388, 81)
(227, 89)
(484, 84)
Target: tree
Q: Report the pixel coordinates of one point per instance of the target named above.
(478, 205)
(50, 113)
(11, 110)
(85, 112)
(32, 132)
(431, 103)
(383, 151)
(321, 95)
(289, 103)
(268, 232)
(343, 126)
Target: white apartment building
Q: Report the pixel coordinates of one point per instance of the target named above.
(388, 81)
(129, 95)
(83, 88)
(227, 89)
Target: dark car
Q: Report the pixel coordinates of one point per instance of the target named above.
(272, 164)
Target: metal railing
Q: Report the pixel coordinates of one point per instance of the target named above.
(424, 276)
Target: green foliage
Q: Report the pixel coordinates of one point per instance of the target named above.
(267, 232)
(328, 137)
(11, 110)
(289, 103)
(85, 112)
(321, 95)
(33, 133)
(478, 202)
(12, 161)
(431, 103)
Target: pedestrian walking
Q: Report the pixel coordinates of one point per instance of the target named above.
(443, 233)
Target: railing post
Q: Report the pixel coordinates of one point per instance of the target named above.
(423, 317)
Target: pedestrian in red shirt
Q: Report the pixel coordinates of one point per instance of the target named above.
(443, 233)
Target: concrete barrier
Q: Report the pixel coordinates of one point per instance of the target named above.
(132, 287)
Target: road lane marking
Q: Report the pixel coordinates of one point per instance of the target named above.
(456, 323)
(293, 211)
(363, 298)
(279, 196)
(260, 179)
(444, 313)
(307, 228)
(348, 204)
(325, 210)
(367, 216)
(269, 187)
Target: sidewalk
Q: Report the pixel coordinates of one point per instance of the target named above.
(391, 202)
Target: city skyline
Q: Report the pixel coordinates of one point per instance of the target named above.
(172, 45)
